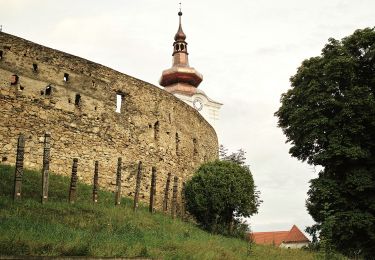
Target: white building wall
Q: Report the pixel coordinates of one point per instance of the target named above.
(208, 108)
(294, 245)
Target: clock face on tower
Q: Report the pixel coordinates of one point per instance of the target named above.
(198, 105)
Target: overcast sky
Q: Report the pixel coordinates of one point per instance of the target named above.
(246, 50)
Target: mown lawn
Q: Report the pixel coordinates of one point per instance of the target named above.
(58, 228)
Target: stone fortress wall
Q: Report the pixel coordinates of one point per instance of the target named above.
(74, 99)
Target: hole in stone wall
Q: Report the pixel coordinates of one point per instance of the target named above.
(14, 80)
(177, 144)
(35, 67)
(156, 130)
(77, 100)
(1, 55)
(42, 93)
(95, 108)
(22, 87)
(119, 99)
(93, 83)
(48, 90)
(69, 100)
(195, 146)
(66, 77)
(149, 126)
(4, 159)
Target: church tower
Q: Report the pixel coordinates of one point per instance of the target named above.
(182, 80)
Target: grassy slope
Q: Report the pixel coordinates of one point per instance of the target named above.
(58, 228)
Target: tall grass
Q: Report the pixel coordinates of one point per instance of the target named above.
(58, 228)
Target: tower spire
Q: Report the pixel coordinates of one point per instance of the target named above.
(180, 13)
(181, 77)
(180, 35)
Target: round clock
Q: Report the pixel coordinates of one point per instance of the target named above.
(198, 105)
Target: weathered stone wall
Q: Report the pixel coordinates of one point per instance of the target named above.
(153, 126)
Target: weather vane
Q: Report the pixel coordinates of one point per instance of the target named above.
(180, 6)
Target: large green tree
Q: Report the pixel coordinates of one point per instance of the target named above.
(219, 193)
(328, 116)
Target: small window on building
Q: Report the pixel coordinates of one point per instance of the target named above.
(1, 55)
(119, 99)
(14, 80)
(77, 100)
(48, 90)
(35, 67)
(66, 77)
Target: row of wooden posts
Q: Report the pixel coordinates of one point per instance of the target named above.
(73, 181)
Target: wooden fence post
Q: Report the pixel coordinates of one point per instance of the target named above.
(45, 169)
(153, 190)
(19, 167)
(96, 183)
(118, 182)
(174, 198)
(166, 193)
(73, 182)
(137, 186)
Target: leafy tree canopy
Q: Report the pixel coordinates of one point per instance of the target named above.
(219, 193)
(328, 116)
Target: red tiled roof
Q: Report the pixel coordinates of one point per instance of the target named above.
(269, 238)
(295, 235)
(277, 237)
